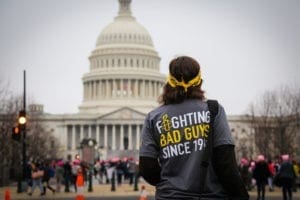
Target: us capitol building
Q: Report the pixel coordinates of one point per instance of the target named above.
(120, 88)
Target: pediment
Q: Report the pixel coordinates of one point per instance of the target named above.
(123, 114)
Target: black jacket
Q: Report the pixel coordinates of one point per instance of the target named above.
(224, 164)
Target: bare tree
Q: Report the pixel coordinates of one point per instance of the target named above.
(40, 142)
(9, 150)
(275, 121)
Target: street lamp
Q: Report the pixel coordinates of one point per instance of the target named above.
(88, 155)
(21, 130)
(91, 143)
(91, 165)
(22, 118)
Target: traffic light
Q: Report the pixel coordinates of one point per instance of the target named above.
(18, 130)
(16, 133)
(22, 120)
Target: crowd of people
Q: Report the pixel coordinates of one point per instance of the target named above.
(260, 174)
(265, 174)
(72, 175)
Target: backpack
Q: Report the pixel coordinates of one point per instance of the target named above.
(213, 107)
(50, 172)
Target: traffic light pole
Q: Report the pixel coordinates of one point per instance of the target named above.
(24, 130)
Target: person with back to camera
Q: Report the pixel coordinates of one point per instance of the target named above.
(287, 175)
(261, 173)
(187, 151)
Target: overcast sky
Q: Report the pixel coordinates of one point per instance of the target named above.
(244, 47)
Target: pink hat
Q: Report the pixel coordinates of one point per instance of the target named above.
(76, 162)
(260, 158)
(285, 157)
(60, 163)
(115, 159)
(244, 161)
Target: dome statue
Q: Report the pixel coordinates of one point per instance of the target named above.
(124, 68)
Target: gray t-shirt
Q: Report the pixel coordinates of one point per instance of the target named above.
(176, 134)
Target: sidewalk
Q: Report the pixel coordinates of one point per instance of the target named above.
(104, 190)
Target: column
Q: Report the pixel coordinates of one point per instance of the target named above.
(90, 90)
(84, 91)
(155, 89)
(143, 88)
(87, 91)
(65, 137)
(122, 137)
(98, 134)
(129, 88)
(107, 88)
(81, 132)
(100, 89)
(73, 138)
(136, 87)
(122, 87)
(105, 136)
(129, 137)
(114, 89)
(113, 137)
(89, 131)
(138, 139)
(149, 89)
(94, 90)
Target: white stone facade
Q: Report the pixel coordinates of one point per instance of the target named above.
(122, 85)
(124, 68)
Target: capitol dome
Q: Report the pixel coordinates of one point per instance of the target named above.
(124, 30)
(124, 68)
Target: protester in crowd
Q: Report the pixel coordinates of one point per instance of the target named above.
(245, 173)
(251, 169)
(260, 174)
(80, 180)
(287, 176)
(37, 175)
(271, 166)
(173, 149)
(103, 172)
(28, 176)
(49, 172)
(120, 171)
(67, 173)
(106, 166)
(59, 173)
(76, 165)
(97, 167)
(111, 171)
(131, 169)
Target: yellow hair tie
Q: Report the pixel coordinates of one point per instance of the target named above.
(173, 82)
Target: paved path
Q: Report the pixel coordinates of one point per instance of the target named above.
(102, 191)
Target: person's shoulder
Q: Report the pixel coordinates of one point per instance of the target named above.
(156, 111)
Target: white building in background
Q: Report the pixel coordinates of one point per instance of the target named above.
(120, 88)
